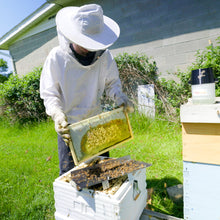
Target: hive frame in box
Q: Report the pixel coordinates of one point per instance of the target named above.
(77, 130)
(87, 204)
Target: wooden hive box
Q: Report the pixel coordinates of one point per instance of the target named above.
(201, 160)
(201, 133)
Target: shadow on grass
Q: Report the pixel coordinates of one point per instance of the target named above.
(158, 198)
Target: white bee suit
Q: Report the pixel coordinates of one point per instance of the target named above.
(71, 85)
(76, 89)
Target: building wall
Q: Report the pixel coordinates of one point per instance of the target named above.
(175, 53)
(31, 52)
(169, 30)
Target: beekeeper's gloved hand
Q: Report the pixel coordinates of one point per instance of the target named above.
(128, 106)
(123, 100)
(61, 124)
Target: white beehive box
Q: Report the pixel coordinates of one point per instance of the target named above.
(88, 204)
(201, 191)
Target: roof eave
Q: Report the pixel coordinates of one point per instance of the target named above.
(43, 11)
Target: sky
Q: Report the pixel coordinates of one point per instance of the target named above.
(12, 13)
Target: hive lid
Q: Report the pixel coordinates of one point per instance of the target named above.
(96, 135)
(202, 76)
(204, 113)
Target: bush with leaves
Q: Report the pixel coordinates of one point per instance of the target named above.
(20, 96)
(3, 78)
(139, 69)
(135, 69)
(209, 57)
(3, 65)
(170, 95)
(21, 99)
(204, 58)
(3, 68)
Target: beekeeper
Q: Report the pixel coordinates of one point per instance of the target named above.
(76, 73)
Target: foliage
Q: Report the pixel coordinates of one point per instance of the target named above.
(21, 98)
(3, 78)
(22, 101)
(135, 70)
(3, 65)
(138, 69)
(3, 68)
(209, 57)
(172, 95)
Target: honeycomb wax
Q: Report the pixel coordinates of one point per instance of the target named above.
(103, 136)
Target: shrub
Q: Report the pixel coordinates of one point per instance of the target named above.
(170, 95)
(3, 78)
(3, 65)
(21, 99)
(206, 58)
(136, 69)
(209, 57)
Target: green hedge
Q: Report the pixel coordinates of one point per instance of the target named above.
(21, 99)
(3, 78)
(209, 57)
(138, 69)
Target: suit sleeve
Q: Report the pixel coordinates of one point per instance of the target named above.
(49, 84)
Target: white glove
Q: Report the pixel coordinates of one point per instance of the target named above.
(61, 124)
(123, 100)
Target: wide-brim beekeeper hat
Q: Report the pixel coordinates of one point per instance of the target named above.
(87, 27)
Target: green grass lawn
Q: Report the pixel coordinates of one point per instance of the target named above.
(29, 166)
(159, 143)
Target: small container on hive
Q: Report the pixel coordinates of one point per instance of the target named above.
(203, 86)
